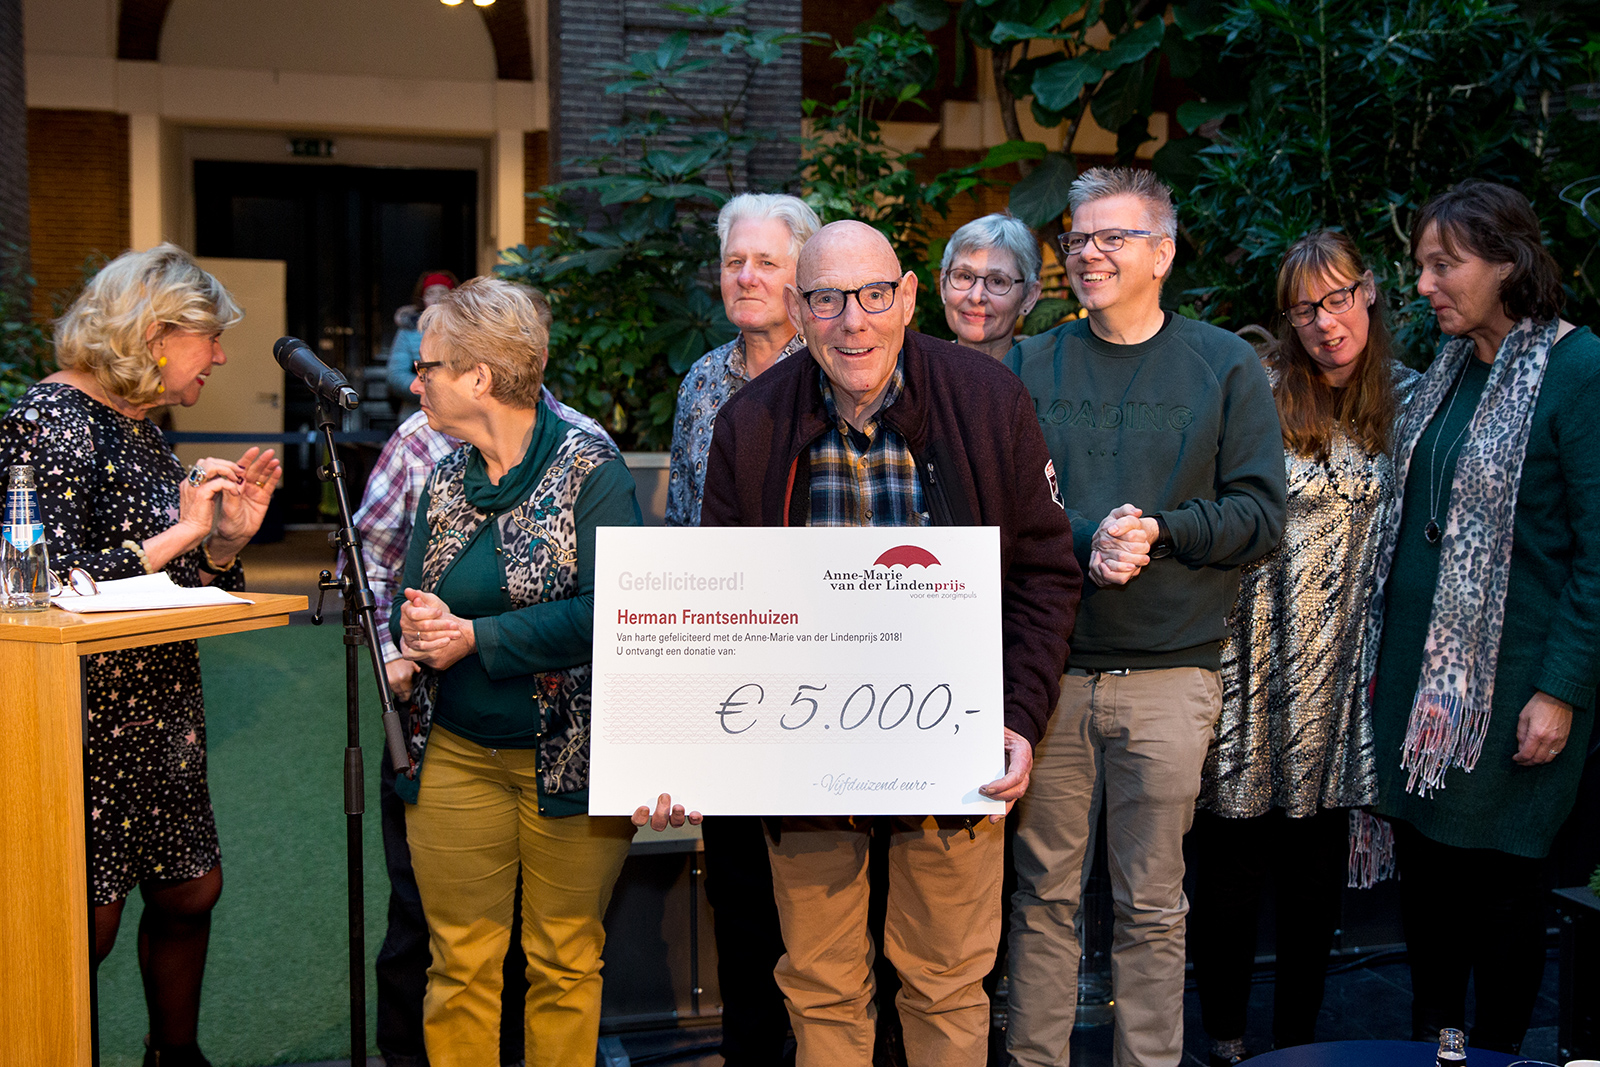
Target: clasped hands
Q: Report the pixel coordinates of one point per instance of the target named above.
(431, 635)
(1009, 788)
(1120, 548)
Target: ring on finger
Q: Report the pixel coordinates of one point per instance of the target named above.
(197, 474)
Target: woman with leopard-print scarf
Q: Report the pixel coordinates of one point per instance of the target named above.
(1488, 579)
(499, 613)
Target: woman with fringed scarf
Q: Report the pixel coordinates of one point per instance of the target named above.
(1489, 610)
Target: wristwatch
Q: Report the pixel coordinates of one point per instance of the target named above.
(1161, 547)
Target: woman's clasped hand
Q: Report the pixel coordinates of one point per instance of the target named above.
(431, 635)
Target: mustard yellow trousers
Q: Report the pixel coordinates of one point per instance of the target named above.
(475, 821)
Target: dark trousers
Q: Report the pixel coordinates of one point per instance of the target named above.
(755, 1023)
(401, 968)
(1475, 912)
(1306, 860)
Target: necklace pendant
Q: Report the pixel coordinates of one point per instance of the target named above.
(1432, 532)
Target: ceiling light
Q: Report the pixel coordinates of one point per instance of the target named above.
(450, 3)
(481, 3)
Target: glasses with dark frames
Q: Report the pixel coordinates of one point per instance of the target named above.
(875, 299)
(1105, 240)
(995, 284)
(1335, 303)
(421, 367)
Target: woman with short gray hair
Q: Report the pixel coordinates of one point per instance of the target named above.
(989, 280)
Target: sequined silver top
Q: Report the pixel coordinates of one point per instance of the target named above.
(1292, 733)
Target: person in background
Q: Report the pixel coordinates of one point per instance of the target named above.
(886, 427)
(1489, 579)
(760, 236)
(1293, 755)
(406, 348)
(384, 519)
(989, 281)
(499, 613)
(117, 503)
(1167, 444)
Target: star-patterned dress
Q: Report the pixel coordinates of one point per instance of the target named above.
(107, 483)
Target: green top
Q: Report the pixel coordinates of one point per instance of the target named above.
(487, 697)
(1183, 426)
(1552, 618)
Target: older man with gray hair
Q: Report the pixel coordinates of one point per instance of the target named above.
(886, 427)
(1166, 438)
(760, 236)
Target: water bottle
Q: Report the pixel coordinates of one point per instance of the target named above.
(26, 565)
(1452, 1048)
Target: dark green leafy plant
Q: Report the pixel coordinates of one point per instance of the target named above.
(1354, 115)
(25, 352)
(848, 172)
(625, 267)
(1043, 58)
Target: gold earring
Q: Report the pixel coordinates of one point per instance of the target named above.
(162, 362)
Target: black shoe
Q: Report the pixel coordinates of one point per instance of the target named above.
(177, 1056)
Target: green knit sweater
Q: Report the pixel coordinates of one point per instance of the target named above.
(1551, 639)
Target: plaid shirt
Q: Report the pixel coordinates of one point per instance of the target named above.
(390, 502)
(865, 477)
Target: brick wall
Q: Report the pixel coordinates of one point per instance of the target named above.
(590, 33)
(78, 180)
(13, 137)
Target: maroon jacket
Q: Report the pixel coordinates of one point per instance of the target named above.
(983, 462)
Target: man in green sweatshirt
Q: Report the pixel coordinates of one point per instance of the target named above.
(1166, 441)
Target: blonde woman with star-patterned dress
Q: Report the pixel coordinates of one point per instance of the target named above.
(117, 503)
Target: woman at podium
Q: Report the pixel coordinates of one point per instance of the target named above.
(117, 503)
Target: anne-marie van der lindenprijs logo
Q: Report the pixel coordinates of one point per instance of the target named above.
(891, 573)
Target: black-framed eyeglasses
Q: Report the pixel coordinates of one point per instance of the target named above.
(421, 367)
(1105, 240)
(874, 299)
(1335, 303)
(995, 284)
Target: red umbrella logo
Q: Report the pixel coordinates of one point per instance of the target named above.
(906, 556)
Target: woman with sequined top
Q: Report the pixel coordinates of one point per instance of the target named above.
(117, 503)
(1293, 753)
(499, 613)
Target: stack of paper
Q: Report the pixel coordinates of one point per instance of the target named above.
(146, 592)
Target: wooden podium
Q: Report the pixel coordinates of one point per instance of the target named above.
(44, 882)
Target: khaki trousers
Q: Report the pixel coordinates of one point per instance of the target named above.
(475, 822)
(941, 932)
(1134, 742)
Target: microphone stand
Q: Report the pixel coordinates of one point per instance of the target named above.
(360, 628)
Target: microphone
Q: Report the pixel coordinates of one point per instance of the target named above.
(330, 387)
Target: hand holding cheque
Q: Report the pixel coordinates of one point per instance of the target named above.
(806, 671)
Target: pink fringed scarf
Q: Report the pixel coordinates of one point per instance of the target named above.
(1455, 690)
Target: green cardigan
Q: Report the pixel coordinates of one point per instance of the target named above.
(1552, 620)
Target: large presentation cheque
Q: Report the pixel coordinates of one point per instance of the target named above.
(797, 671)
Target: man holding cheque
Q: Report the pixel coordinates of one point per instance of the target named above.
(886, 427)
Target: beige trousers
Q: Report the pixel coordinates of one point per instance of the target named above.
(1134, 742)
(941, 931)
(475, 822)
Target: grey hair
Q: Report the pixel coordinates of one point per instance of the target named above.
(1099, 183)
(1003, 231)
(793, 212)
